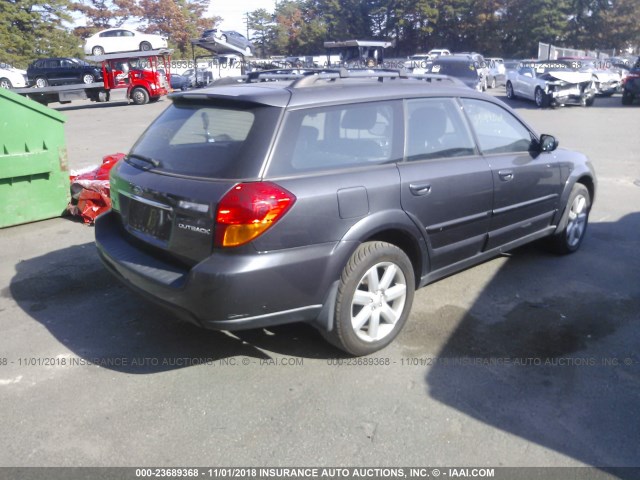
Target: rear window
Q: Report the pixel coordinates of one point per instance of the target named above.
(223, 140)
(457, 69)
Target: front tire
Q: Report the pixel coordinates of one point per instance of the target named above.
(97, 50)
(493, 82)
(145, 46)
(139, 96)
(541, 98)
(510, 93)
(88, 78)
(587, 100)
(575, 220)
(5, 83)
(41, 82)
(627, 97)
(374, 298)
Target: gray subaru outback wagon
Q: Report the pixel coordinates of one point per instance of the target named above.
(330, 198)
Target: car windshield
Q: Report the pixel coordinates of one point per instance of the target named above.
(456, 69)
(204, 140)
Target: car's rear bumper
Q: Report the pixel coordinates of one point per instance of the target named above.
(228, 290)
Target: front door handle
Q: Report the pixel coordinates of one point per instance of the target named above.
(420, 189)
(505, 175)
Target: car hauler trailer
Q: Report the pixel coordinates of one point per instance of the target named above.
(145, 75)
(225, 59)
(65, 93)
(356, 53)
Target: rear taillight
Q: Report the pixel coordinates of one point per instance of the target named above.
(248, 210)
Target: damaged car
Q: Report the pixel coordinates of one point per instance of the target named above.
(607, 81)
(551, 83)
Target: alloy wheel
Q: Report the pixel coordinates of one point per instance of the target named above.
(378, 301)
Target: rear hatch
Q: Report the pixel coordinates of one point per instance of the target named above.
(167, 189)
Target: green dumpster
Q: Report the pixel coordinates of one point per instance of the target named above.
(34, 177)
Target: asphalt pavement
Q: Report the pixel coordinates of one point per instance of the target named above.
(529, 359)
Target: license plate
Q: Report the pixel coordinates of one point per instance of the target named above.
(150, 220)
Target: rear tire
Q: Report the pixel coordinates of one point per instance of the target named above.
(5, 83)
(145, 46)
(88, 78)
(493, 82)
(574, 220)
(627, 97)
(374, 299)
(97, 50)
(139, 96)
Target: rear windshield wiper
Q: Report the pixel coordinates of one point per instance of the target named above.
(144, 158)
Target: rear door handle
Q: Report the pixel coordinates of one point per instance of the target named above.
(420, 189)
(505, 175)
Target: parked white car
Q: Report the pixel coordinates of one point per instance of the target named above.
(12, 77)
(114, 40)
(551, 83)
(436, 52)
(417, 63)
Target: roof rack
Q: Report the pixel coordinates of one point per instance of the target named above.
(306, 77)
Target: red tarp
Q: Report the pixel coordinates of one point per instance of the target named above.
(90, 190)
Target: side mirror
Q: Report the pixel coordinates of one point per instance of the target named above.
(548, 143)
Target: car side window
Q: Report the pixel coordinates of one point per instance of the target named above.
(497, 130)
(436, 129)
(334, 137)
(127, 33)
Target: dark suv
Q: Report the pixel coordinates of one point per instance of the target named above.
(631, 89)
(330, 198)
(62, 71)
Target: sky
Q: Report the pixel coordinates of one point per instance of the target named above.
(233, 12)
